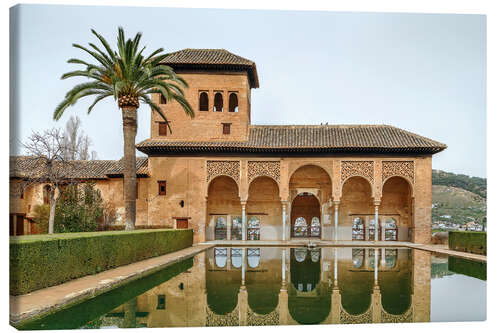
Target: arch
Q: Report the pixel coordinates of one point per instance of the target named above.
(312, 164)
(397, 202)
(233, 102)
(305, 273)
(218, 102)
(396, 285)
(264, 287)
(264, 203)
(356, 290)
(305, 207)
(222, 288)
(203, 101)
(222, 201)
(356, 201)
(408, 181)
(372, 193)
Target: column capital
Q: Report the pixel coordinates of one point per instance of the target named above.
(243, 203)
(336, 203)
(376, 202)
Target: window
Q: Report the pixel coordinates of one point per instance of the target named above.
(358, 257)
(220, 228)
(233, 102)
(162, 128)
(236, 257)
(253, 232)
(226, 128)
(315, 227)
(22, 192)
(253, 257)
(220, 256)
(218, 102)
(162, 187)
(300, 254)
(161, 302)
(163, 100)
(391, 230)
(300, 227)
(203, 101)
(358, 229)
(236, 228)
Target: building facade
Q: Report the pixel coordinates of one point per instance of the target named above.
(228, 179)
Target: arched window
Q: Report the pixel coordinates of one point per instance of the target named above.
(358, 256)
(218, 102)
(203, 101)
(233, 102)
(253, 232)
(46, 194)
(358, 229)
(300, 227)
(300, 254)
(315, 255)
(391, 255)
(253, 257)
(220, 256)
(236, 228)
(236, 257)
(315, 227)
(220, 228)
(391, 229)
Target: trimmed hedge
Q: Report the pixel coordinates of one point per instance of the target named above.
(467, 241)
(475, 269)
(40, 261)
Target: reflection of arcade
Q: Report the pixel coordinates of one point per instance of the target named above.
(275, 286)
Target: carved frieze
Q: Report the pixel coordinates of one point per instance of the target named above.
(230, 319)
(263, 168)
(272, 318)
(357, 168)
(223, 168)
(398, 168)
(364, 318)
(406, 317)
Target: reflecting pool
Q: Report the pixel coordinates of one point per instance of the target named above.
(289, 286)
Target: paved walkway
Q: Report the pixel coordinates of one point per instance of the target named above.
(45, 300)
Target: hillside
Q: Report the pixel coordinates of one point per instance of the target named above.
(457, 205)
(472, 184)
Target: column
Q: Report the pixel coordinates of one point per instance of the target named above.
(283, 267)
(377, 203)
(375, 267)
(228, 262)
(228, 227)
(336, 217)
(243, 266)
(283, 220)
(243, 220)
(335, 270)
(382, 257)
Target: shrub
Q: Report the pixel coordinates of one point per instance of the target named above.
(467, 241)
(40, 261)
(79, 209)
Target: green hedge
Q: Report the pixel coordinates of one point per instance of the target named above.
(40, 261)
(476, 269)
(467, 241)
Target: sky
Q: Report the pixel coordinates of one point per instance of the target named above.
(425, 73)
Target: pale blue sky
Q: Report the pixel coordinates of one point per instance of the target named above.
(425, 73)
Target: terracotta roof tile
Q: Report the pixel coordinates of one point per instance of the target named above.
(27, 166)
(212, 59)
(326, 138)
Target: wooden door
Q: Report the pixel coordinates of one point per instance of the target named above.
(19, 225)
(182, 223)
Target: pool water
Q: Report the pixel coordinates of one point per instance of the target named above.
(289, 286)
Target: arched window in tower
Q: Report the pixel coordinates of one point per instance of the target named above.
(203, 101)
(233, 102)
(218, 102)
(163, 100)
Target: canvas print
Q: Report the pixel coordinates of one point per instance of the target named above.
(178, 167)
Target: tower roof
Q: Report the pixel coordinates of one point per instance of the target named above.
(218, 59)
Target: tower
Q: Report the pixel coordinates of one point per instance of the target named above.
(219, 92)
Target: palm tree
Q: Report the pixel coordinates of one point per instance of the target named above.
(130, 78)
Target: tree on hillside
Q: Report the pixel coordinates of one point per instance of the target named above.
(50, 166)
(129, 77)
(77, 143)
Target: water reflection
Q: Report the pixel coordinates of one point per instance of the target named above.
(275, 286)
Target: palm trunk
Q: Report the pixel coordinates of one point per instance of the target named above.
(129, 114)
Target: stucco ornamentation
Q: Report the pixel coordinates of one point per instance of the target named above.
(406, 317)
(347, 318)
(230, 319)
(357, 168)
(223, 168)
(272, 318)
(398, 168)
(263, 168)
